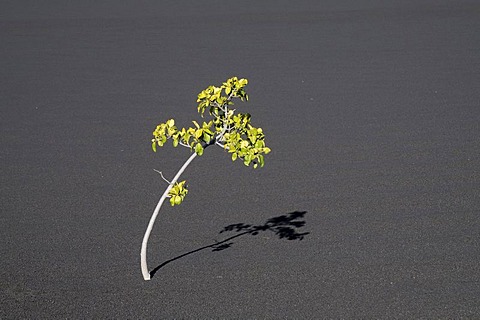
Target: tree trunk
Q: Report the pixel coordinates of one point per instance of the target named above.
(143, 253)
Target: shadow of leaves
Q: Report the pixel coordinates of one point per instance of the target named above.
(284, 227)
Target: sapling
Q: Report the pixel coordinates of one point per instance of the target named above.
(227, 129)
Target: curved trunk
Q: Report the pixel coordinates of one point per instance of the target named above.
(143, 253)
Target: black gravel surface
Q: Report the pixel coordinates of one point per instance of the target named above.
(367, 207)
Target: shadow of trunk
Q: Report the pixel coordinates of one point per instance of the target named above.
(284, 227)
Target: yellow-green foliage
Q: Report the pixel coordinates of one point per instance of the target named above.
(231, 131)
(177, 193)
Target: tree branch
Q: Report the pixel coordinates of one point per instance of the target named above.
(160, 172)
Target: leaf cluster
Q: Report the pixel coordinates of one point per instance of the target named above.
(215, 97)
(245, 141)
(177, 193)
(196, 138)
(231, 131)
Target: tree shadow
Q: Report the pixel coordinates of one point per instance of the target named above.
(284, 227)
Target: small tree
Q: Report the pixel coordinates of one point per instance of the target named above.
(227, 129)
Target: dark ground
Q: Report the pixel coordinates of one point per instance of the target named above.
(371, 109)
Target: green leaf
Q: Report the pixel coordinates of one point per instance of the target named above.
(171, 131)
(198, 133)
(154, 145)
(234, 156)
(207, 138)
(259, 144)
(199, 149)
(261, 161)
(177, 200)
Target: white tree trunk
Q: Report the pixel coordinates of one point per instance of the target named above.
(143, 253)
